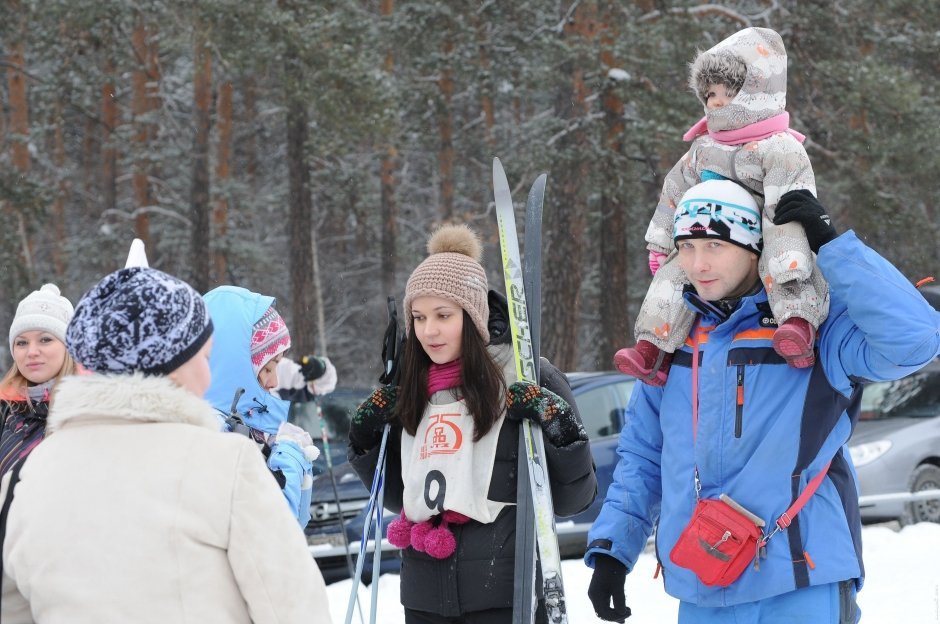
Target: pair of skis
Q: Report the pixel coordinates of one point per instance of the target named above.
(535, 515)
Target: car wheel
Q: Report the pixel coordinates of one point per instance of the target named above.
(925, 477)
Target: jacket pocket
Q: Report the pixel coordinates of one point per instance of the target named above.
(739, 403)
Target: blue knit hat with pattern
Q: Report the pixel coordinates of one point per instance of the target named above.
(138, 320)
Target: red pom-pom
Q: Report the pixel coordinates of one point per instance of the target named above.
(419, 534)
(399, 532)
(455, 517)
(440, 543)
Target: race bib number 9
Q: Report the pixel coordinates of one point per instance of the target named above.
(443, 469)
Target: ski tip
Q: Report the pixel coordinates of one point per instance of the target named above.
(538, 187)
(500, 182)
(539, 184)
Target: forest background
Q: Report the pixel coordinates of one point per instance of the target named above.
(305, 149)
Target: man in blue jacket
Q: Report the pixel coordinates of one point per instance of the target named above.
(769, 436)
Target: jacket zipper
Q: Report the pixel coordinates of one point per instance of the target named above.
(739, 407)
(659, 562)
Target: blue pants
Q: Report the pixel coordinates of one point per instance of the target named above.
(822, 604)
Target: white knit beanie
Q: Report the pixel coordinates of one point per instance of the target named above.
(42, 310)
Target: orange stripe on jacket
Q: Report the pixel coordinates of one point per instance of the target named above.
(702, 335)
(755, 334)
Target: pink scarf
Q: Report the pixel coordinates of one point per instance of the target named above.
(752, 132)
(443, 376)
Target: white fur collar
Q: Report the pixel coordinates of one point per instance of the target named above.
(134, 398)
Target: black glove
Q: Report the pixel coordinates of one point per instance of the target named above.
(607, 583)
(802, 207)
(545, 408)
(365, 431)
(312, 367)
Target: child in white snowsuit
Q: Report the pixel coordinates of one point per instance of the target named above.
(744, 137)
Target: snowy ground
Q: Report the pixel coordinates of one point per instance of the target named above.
(902, 585)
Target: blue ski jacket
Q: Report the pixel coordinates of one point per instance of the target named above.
(765, 430)
(234, 312)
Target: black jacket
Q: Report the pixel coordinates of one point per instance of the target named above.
(24, 426)
(479, 575)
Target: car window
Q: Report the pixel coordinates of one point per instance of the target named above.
(337, 409)
(601, 407)
(915, 396)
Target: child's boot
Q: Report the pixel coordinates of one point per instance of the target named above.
(794, 340)
(645, 361)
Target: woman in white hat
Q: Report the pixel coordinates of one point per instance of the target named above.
(40, 359)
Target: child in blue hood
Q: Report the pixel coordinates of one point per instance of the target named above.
(250, 340)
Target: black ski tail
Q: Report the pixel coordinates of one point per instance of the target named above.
(524, 596)
(532, 264)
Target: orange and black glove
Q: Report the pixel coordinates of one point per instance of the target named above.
(552, 413)
(365, 431)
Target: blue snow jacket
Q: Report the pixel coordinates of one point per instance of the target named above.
(234, 312)
(765, 429)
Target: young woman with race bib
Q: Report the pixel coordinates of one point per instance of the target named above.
(452, 457)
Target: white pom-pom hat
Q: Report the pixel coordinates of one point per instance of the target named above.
(42, 310)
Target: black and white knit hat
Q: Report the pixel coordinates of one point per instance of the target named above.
(138, 320)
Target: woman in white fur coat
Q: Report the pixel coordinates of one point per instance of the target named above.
(136, 508)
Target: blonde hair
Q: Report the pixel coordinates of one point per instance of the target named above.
(13, 385)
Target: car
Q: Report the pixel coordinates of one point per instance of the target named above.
(602, 399)
(896, 446)
(931, 292)
(339, 500)
(338, 515)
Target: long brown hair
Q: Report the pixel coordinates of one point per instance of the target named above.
(485, 394)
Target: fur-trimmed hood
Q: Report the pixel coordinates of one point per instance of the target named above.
(763, 93)
(131, 398)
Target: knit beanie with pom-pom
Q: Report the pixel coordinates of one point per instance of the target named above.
(452, 271)
(42, 310)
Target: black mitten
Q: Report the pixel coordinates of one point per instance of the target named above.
(800, 206)
(365, 431)
(542, 406)
(607, 586)
(312, 367)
